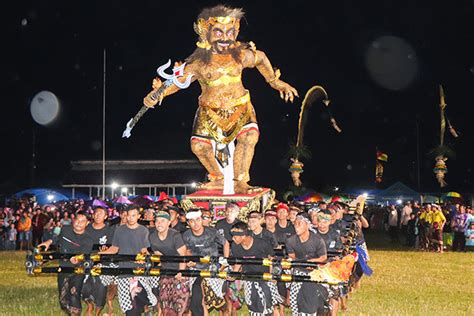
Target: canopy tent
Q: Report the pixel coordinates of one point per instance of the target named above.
(398, 191)
(45, 195)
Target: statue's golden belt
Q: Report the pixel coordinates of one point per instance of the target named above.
(229, 120)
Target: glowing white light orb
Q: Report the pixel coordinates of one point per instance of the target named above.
(44, 107)
(391, 62)
(114, 185)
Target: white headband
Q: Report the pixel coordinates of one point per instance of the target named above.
(193, 214)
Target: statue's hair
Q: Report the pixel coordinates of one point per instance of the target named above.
(221, 10)
(216, 11)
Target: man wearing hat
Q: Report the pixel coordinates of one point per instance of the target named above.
(284, 228)
(257, 231)
(175, 223)
(204, 241)
(173, 292)
(93, 291)
(306, 297)
(261, 296)
(331, 237)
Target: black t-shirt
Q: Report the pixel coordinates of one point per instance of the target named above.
(259, 249)
(101, 237)
(332, 239)
(179, 227)
(312, 248)
(168, 246)
(224, 228)
(207, 244)
(267, 236)
(71, 243)
(283, 233)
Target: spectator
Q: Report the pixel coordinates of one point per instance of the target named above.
(38, 222)
(66, 220)
(393, 223)
(470, 237)
(412, 231)
(404, 218)
(11, 240)
(458, 225)
(437, 222)
(24, 230)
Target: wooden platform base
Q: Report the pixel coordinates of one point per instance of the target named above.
(215, 201)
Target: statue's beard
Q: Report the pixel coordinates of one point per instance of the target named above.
(223, 47)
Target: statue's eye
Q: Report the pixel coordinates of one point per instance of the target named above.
(218, 33)
(230, 33)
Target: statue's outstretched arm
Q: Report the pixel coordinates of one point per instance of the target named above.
(189, 70)
(257, 58)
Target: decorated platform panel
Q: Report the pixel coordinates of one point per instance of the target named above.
(215, 201)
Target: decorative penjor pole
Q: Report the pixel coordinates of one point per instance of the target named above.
(442, 152)
(299, 151)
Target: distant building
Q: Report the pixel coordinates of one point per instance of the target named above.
(175, 177)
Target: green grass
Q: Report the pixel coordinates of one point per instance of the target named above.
(404, 283)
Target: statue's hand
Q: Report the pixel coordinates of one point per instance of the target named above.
(156, 83)
(148, 100)
(287, 92)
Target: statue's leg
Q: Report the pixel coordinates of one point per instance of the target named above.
(243, 155)
(203, 150)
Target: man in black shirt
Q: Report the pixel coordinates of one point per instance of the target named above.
(224, 225)
(333, 242)
(284, 228)
(306, 297)
(173, 291)
(204, 241)
(331, 237)
(135, 293)
(175, 223)
(257, 231)
(93, 291)
(261, 297)
(72, 240)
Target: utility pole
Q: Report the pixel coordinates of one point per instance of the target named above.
(103, 127)
(418, 154)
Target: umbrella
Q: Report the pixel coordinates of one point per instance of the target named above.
(453, 195)
(122, 200)
(142, 200)
(430, 199)
(340, 198)
(99, 203)
(312, 197)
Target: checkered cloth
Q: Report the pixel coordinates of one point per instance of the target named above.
(250, 286)
(124, 290)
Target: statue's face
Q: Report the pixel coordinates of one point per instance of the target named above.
(222, 36)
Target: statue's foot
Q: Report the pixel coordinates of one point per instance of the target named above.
(241, 187)
(211, 185)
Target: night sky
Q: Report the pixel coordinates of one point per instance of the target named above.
(380, 61)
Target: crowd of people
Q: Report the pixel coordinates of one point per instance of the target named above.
(319, 234)
(431, 227)
(27, 224)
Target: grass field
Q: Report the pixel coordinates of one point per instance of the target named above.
(404, 283)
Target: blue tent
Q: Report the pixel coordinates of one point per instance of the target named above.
(398, 191)
(45, 196)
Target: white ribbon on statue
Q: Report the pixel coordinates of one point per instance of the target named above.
(228, 171)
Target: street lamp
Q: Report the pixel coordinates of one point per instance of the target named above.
(114, 186)
(124, 190)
